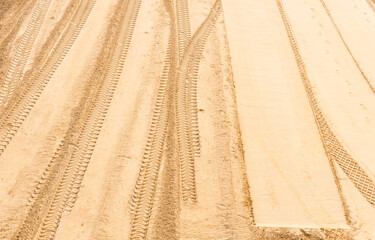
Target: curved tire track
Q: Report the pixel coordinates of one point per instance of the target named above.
(144, 193)
(184, 35)
(333, 147)
(186, 88)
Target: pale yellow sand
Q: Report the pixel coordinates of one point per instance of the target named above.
(187, 119)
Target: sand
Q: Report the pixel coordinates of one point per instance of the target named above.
(183, 119)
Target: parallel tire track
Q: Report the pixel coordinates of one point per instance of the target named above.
(334, 148)
(23, 50)
(187, 86)
(26, 96)
(71, 181)
(58, 189)
(346, 46)
(184, 36)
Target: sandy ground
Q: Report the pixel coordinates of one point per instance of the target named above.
(187, 119)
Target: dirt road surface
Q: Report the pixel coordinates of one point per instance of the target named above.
(187, 119)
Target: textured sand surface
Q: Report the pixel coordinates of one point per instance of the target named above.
(187, 119)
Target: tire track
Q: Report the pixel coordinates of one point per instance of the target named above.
(183, 24)
(59, 186)
(14, 18)
(23, 50)
(25, 97)
(99, 230)
(11, 15)
(333, 147)
(156, 137)
(49, 43)
(184, 35)
(372, 87)
(144, 191)
(187, 86)
(142, 200)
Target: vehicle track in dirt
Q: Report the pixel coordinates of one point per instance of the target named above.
(52, 39)
(102, 224)
(372, 87)
(57, 190)
(187, 75)
(334, 149)
(183, 24)
(25, 97)
(144, 191)
(22, 53)
(12, 16)
(184, 29)
(10, 24)
(49, 43)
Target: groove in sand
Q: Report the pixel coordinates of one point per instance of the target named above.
(333, 147)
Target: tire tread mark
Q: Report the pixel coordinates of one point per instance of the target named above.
(333, 147)
(142, 200)
(45, 187)
(144, 191)
(14, 16)
(70, 183)
(67, 176)
(186, 86)
(183, 24)
(96, 118)
(65, 198)
(25, 97)
(152, 133)
(22, 53)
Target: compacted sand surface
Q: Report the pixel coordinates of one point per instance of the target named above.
(187, 119)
